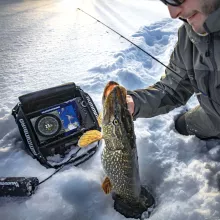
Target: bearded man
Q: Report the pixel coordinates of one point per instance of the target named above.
(196, 59)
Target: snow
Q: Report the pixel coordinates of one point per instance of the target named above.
(45, 43)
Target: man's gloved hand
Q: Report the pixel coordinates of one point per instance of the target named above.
(130, 104)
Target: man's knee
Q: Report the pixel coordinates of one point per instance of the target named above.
(180, 125)
(197, 123)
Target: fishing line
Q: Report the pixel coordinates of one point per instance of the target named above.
(154, 58)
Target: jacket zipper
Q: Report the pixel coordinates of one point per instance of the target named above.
(210, 53)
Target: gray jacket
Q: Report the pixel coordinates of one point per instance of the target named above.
(197, 59)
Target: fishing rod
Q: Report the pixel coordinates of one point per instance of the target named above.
(154, 58)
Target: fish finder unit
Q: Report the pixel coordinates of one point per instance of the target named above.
(51, 121)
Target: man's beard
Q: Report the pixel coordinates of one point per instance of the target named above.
(209, 6)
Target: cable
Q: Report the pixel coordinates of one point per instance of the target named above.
(84, 156)
(57, 170)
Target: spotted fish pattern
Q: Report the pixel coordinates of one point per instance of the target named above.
(119, 157)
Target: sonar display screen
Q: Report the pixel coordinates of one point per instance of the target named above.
(68, 115)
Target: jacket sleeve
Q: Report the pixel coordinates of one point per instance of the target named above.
(170, 92)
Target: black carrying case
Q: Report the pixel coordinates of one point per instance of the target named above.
(34, 102)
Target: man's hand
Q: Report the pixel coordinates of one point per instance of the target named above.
(130, 104)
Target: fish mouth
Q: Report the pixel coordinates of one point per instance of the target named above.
(108, 88)
(117, 122)
(114, 102)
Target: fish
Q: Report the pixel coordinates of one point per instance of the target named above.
(119, 157)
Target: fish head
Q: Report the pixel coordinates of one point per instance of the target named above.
(117, 122)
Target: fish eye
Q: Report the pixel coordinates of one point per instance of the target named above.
(115, 122)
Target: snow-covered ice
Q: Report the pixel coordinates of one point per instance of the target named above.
(44, 43)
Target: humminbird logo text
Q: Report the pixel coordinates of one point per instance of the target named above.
(9, 184)
(92, 106)
(28, 138)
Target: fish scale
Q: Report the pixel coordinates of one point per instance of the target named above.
(120, 172)
(119, 156)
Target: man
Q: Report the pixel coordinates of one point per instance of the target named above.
(196, 58)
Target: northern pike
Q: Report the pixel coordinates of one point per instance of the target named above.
(119, 157)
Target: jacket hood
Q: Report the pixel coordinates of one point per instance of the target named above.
(212, 23)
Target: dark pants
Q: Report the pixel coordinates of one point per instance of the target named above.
(196, 122)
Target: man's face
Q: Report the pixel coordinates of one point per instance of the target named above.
(195, 12)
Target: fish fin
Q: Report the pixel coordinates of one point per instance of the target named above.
(107, 186)
(108, 88)
(99, 119)
(89, 137)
